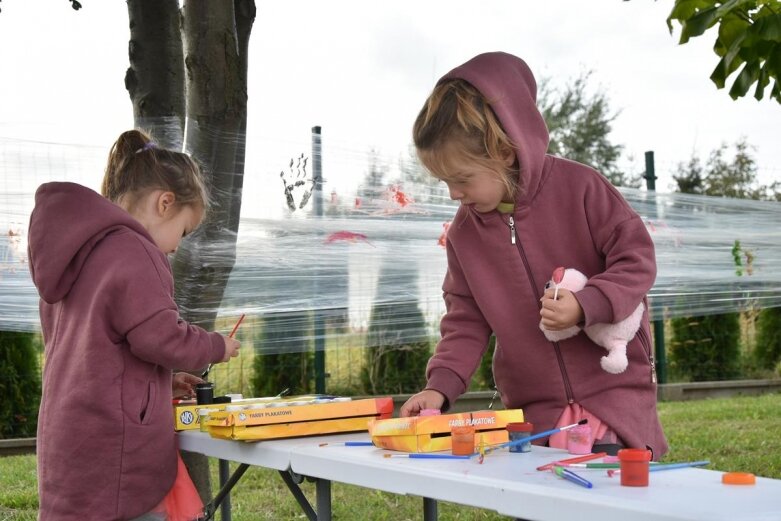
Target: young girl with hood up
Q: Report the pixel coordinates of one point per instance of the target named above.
(523, 213)
(106, 444)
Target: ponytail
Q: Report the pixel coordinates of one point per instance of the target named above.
(137, 165)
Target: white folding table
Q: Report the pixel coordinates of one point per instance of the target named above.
(506, 482)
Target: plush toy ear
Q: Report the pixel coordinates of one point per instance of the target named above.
(558, 275)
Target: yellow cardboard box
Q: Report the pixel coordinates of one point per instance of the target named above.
(186, 414)
(286, 420)
(432, 433)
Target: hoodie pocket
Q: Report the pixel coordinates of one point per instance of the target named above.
(148, 404)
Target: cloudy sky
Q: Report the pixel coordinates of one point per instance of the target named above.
(361, 70)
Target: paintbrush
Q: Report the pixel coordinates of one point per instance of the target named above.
(667, 466)
(427, 456)
(348, 444)
(527, 439)
(233, 332)
(577, 459)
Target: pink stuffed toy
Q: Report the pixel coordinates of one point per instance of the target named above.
(612, 337)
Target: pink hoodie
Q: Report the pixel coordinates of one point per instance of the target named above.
(106, 446)
(566, 214)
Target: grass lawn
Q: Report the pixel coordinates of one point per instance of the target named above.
(735, 434)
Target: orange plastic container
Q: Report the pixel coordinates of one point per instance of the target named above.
(634, 467)
(463, 440)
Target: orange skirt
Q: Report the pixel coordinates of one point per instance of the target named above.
(182, 503)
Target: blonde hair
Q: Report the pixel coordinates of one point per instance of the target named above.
(456, 113)
(137, 165)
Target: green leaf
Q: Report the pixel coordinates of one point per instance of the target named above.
(745, 79)
(733, 5)
(762, 82)
(685, 9)
(698, 24)
(729, 63)
(731, 28)
(776, 92)
(768, 27)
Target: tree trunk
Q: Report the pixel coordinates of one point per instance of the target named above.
(215, 134)
(155, 78)
(216, 83)
(207, 112)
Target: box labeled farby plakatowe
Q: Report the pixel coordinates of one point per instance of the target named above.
(186, 413)
(432, 433)
(298, 418)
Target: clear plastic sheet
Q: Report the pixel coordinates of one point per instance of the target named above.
(373, 235)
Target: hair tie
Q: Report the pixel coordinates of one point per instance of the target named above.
(149, 145)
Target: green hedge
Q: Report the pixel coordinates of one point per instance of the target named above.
(20, 385)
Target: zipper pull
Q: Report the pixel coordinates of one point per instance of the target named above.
(511, 223)
(496, 393)
(653, 368)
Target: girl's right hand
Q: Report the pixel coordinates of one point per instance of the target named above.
(231, 348)
(426, 399)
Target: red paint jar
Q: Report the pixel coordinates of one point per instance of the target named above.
(634, 467)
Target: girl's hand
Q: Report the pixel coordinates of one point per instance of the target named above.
(183, 385)
(231, 348)
(427, 399)
(561, 313)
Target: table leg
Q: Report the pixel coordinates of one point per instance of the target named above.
(323, 491)
(224, 472)
(429, 509)
(211, 508)
(300, 497)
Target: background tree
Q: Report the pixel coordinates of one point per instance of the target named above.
(289, 364)
(727, 173)
(748, 38)
(397, 343)
(579, 124)
(768, 348)
(708, 347)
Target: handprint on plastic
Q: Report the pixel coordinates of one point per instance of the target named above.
(296, 180)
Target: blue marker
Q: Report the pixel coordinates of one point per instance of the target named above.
(571, 476)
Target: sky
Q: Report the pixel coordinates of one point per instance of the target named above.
(361, 70)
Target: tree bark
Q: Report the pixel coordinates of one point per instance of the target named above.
(216, 83)
(215, 40)
(155, 78)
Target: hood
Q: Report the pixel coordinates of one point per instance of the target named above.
(66, 224)
(509, 85)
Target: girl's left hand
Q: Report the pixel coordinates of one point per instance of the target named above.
(183, 385)
(561, 313)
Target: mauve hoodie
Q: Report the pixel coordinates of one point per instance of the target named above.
(106, 445)
(566, 214)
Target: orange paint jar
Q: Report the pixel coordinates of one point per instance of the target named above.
(462, 440)
(634, 467)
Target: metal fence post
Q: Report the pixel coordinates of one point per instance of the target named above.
(659, 350)
(317, 203)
